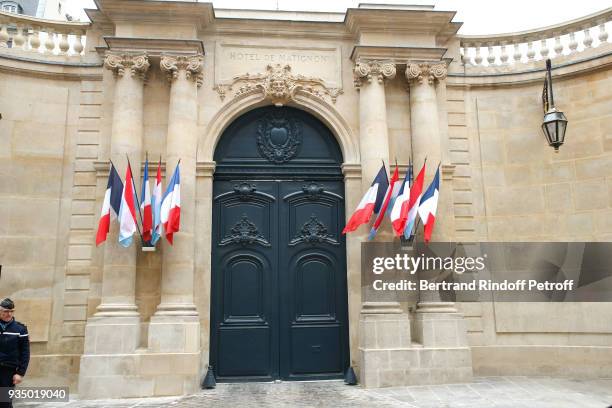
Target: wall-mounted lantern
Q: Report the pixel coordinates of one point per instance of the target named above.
(555, 122)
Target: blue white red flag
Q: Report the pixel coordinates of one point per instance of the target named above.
(416, 191)
(171, 206)
(429, 205)
(156, 203)
(385, 204)
(406, 202)
(127, 211)
(147, 216)
(370, 203)
(110, 205)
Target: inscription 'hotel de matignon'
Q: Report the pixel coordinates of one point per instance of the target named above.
(279, 58)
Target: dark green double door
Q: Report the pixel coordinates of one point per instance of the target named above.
(279, 296)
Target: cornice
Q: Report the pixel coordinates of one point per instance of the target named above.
(533, 74)
(61, 70)
(155, 11)
(437, 23)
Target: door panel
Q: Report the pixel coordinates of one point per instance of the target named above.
(312, 280)
(244, 318)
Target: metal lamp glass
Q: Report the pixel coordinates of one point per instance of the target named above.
(555, 122)
(554, 127)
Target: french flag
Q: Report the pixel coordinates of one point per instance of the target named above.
(147, 216)
(156, 202)
(407, 199)
(416, 191)
(171, 206)
(112, 201)
(370, 203)
(386, 200)
(127, 211)
(429, 205)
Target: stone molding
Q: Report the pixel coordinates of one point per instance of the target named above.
(369, 70)
(136, 64)
(193, 66)
(419, 72)
(279, 85)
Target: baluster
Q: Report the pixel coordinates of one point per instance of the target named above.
(588, 40)
(19, 39)
(544, 50)
(4, 36)
(491, 55)
(603, 34)
(464, 59)
(504, 54)
(35, 39)
(64, 46)
(558, 46)
(573, 45)
(478, 57)
(78, 44)
(530, 51)
(50, 42)
(517, 53)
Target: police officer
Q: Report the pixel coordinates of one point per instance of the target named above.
(14, 350)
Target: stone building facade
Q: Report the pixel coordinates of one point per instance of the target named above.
(172, 79)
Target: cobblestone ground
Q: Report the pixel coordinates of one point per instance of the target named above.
(484, 392)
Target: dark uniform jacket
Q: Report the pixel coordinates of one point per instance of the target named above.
(15, 347)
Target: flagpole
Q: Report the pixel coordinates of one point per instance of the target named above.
(137, 202)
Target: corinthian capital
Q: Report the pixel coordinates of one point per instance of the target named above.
(136, 64)
(369, 70)
(424, 71)
(192, 65)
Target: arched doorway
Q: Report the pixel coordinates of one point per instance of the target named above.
(279, 289)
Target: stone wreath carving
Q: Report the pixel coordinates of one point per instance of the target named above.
(431, 72)
(279, 85)
(244, 232)
(136, 64)
(313, 232)
(279, 137)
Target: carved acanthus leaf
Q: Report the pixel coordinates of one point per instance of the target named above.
(244, 232)
(278, 85)
(313, 232)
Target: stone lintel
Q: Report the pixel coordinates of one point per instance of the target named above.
(397, 55)
(154, 47)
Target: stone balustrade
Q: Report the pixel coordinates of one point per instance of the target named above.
(527, 46)
(21, 33)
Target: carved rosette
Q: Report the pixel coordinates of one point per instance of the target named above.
(193, 65)
(424, 71)
(136, 64)
(370, 70)
(279, 85)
